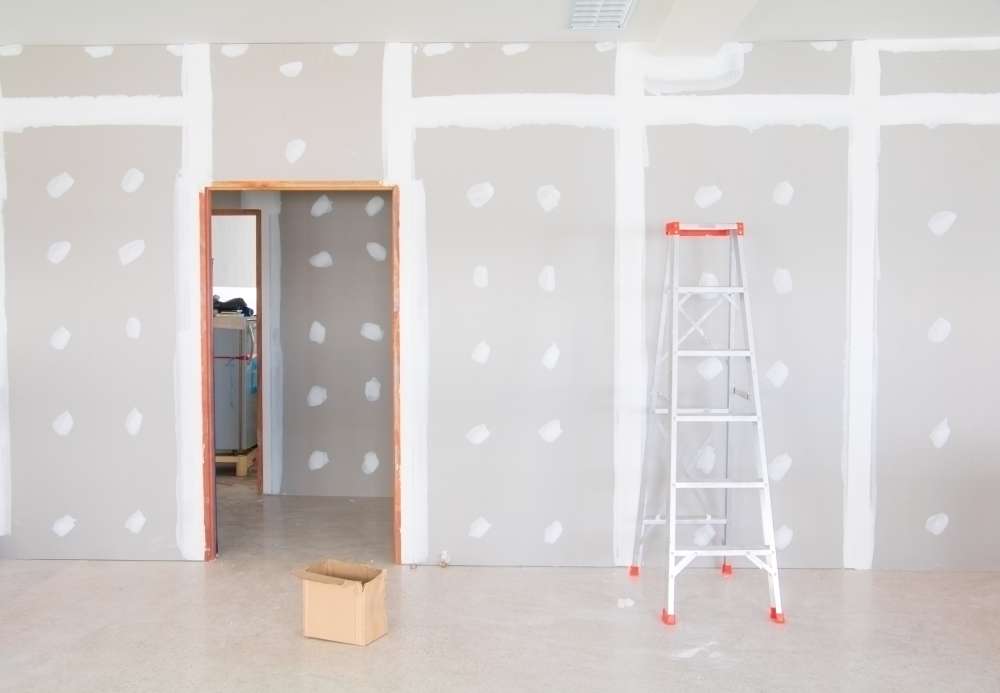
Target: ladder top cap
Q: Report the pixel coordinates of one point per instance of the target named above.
(676, 228)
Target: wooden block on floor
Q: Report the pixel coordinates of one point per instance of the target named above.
(244, 461)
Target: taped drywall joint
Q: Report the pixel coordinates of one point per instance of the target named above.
(859, 415)
(670, 74)
(935, 45)
(414, 335)
(630, 396)
(21, 113)
(195, 174)
(5, 463)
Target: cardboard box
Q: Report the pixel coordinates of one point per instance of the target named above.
(343, 601)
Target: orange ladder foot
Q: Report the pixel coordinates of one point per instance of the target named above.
(633, 571)
(669, 619)
(776, 617)
(727, 569)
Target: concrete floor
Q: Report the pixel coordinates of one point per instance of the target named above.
(234, 624)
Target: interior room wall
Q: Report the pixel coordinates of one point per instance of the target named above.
(336, 334)
(442, 121)
(234, 257)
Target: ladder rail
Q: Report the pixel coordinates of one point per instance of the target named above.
(673, 569)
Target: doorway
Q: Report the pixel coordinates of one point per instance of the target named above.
(278, 376)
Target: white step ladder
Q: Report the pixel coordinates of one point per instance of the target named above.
(677, 300)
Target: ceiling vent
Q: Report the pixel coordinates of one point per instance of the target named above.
(600, 15)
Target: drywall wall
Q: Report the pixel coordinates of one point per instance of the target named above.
(234, 257)
(420, 116)
(336, 335)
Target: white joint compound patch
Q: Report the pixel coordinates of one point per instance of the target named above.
(553, 532)
(707, 195)
(373, 389)
(11, 50)
(709, 368)
(131, 251)
(376, 251)
(941, 222)
(175, 50)
(374, 206)
(321, 260)
(234, 50)
(316, 396)
(936, 523)
(63, 424)
(345, 50)
(64, 525)
(477, 435)
(779, 466)
(479, 194)
(548, 197)
(705, 459)
(824, 46)
(294, 150)
(59, 185)
(99, 51)
(783, 537)
(371, 331)
(625, 603)
(59, 339)
(433, 49)
(480, 277)
(783, 193)
(515, 48)
(133, 422)
(551, 356)
(58, 251)
(318, 459)
(135, 522)
(479, 527)
(604, 46)
(704, 535)
(370, 463)
(547, 279)
(551, 431)
(292, 69)
(133, 328)
(940, 434)
(939, 331)
(481, 353)
(322, 205)
(317, 332)
(777, 374)
(132, 180)
(782, 281)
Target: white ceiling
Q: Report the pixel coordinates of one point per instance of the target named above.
(90, 22)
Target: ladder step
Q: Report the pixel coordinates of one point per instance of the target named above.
(686, 520)
(722, 551)
(713, 352)
(738, 418)
(720, 484)
(711, 290)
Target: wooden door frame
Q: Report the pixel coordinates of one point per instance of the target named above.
(256, 213)
(207, 378)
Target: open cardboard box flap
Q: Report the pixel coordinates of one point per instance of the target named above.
(334, 572)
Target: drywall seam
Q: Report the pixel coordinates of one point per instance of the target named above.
(273, 402)
(5, 466)
(20, 113)
(967, 43)
(939, 109)
(195, 174)
(862, 168)
(414, 336)
(630, 396)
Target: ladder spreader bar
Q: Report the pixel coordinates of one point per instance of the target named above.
(675, 228)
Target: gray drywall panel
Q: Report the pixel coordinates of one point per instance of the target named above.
(484, 68)
(973, 72)
(98, 473)
(354, 290)
(803, 328)
(516, 481)
(794, 68)
(71, 71)
(925, 277)
(333, 106)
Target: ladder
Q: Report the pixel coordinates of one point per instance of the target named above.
(677, 299)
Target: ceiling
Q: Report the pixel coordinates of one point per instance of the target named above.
(680, 22)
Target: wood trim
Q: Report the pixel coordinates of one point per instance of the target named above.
(257, 214)
(303, 186)
(207, 373)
